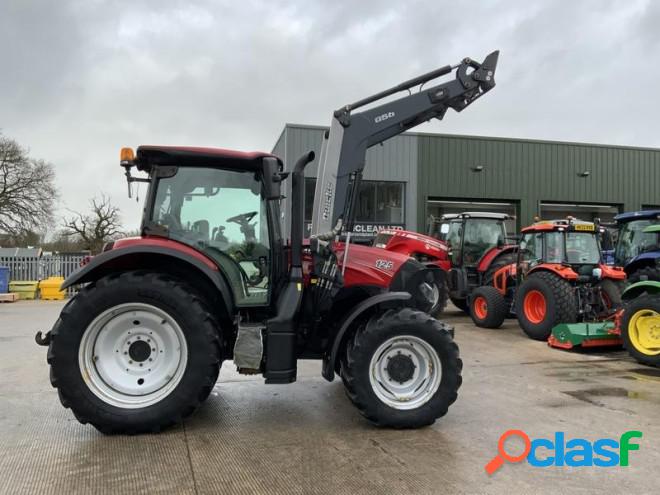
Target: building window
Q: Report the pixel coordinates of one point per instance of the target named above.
(377, 202)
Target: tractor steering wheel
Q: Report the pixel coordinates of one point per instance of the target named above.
(242, 218)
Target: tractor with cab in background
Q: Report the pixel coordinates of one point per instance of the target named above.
(558, 277)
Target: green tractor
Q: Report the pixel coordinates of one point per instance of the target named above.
(636, 326)
(639, 323)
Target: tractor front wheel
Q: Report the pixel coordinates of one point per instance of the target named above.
(134, 352)
(488, 308)
(543, 301)
(640, 329)
(402, 369)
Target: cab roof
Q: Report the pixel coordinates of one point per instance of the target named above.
(563, 223)
(636, 215)
(182, 156)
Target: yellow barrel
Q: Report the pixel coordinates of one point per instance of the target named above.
(50, 289)
(26, 289)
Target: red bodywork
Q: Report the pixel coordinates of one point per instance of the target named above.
(366, 265)
(432, 250)
(420, 246)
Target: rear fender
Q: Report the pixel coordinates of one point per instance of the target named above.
(493, 253)
(359, 312)
(612, 272)
(165, 259)
(565, 272)
(639, 288)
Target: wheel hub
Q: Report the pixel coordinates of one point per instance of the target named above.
(401, 368)
(405, 372)
(133, 355)
(139, 351)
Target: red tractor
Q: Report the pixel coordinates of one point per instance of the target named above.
(465, 251)
(213, 278)
(559, 277)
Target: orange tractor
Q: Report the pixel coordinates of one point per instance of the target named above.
(559, 277)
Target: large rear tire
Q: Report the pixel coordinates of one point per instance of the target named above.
(488, 308)
(543, 301)
(402, 369)
(640, 329)
(611, 293)
(134, 352)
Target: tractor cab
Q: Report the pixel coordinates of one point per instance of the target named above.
(638, 250)
(477, 245)
(569, 244)
(224, 205)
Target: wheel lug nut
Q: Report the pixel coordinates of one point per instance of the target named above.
(153, 349)
(125, 352)
(140, 364)
(130, 362)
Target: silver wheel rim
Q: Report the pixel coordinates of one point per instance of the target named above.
(435, 295)
(420, 387)
(133, 355)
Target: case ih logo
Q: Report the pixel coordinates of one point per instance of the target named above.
(328, 201)
(385, 116)
(384, 264)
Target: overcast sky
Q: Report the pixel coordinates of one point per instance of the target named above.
(80, 79)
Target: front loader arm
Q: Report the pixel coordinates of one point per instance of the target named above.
(344, 148)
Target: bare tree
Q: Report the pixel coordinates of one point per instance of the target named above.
(27, 190)
(100, 225)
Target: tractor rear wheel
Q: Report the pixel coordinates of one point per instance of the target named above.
(488, 308)
(611, 294)
(402, 369)
(134, 352)
(646, 273)
(543, 301)
(640, 329)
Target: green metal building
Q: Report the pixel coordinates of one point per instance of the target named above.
(415, 176)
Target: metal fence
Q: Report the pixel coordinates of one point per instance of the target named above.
(32, 268)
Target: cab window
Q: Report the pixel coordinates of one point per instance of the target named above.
(221, 213)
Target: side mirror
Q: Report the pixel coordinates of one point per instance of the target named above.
(272, 178)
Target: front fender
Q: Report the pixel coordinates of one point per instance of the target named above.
(330, 360)
(152, 257)
(639, 288)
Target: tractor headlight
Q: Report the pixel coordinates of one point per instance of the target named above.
(597, 273)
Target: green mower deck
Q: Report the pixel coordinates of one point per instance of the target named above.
(569, 335)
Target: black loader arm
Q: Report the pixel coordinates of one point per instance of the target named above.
(344, 149)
